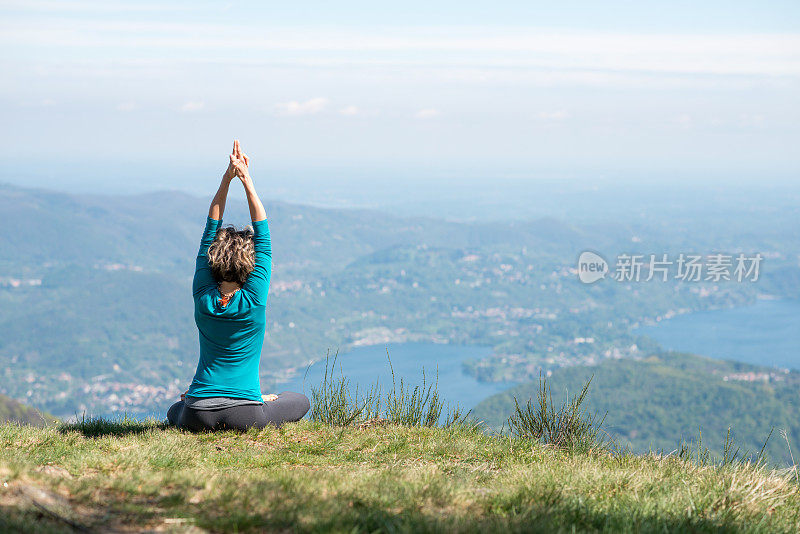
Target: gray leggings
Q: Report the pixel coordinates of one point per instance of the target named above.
(289, 406)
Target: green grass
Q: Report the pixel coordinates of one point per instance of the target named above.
(312, 477)
(336, 403)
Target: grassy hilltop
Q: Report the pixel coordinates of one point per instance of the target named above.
(312, 477)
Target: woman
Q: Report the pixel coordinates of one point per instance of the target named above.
(230, 286)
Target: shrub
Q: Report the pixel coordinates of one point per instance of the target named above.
(334, 402)
(695, 453)
(569, 426)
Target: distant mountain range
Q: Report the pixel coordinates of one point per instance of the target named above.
(160, 231)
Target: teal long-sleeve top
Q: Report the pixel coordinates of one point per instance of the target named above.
(231, 336)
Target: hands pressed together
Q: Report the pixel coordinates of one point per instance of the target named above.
(238, 165)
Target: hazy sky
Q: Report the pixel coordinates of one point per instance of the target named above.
(525, 86)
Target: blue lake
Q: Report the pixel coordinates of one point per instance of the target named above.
(767, 333)
(364, 365)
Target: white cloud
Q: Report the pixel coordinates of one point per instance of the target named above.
(190, 107)
(47, 103)
(684, 120)
(126, 106)
(756, 120)
(350, 110)
(428, 113)
(309, 107)
(553, 115)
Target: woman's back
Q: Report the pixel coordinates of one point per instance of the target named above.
(231, 334)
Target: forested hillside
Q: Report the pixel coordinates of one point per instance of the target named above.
(655, 402)
(12, 411)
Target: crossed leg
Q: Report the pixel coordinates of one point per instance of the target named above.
(288, 407)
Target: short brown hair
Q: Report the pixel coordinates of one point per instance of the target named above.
(231, 256)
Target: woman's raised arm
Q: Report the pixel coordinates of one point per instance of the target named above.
(217, 207)
(202, 273)
(258, 280)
